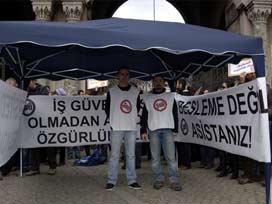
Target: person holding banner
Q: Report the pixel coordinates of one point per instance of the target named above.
(36, 89)
(251, 168)
(161, 119)
(12, 82)
(122, 106)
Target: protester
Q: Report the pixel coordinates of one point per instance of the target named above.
(251, 168)
(12, 82)
(184, 149)
(122, 106)
(36, 89)
(223, 155)
(161, 120)
(207, 154)
(181, 84)
(62, 150)
(74, 152)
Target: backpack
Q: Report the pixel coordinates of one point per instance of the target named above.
(94, 159)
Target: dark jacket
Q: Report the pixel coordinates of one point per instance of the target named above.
(39, 90)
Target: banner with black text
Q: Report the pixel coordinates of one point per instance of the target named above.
(64, 121)
(12, 102)
(234, 120)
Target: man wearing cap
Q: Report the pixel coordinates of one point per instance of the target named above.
(160, 120)
(122, 106)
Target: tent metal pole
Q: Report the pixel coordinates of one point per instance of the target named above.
(268, 172)
(154, 10)
(12, 58)
(20, 62)
(163, 63)
(48, 56)
(267, 182)
(21, 162)
(33, 67)
(224, 61)
(10, 55)
(21, 149)
(35, 63)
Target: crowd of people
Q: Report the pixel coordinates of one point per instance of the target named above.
(159, 125)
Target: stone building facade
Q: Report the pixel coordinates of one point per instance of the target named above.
(253, 18)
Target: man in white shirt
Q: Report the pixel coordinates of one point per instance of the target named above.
(122, 106)
(160, 120)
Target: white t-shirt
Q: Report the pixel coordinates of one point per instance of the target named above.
(160, 110)
(123, 108)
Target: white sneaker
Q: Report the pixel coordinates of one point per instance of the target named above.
(51, 172)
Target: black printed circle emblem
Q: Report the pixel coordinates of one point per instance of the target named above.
(184, 127)
(126, 106)
(160, 105)
(29, 108)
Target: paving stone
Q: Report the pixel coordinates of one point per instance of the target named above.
(84, 185)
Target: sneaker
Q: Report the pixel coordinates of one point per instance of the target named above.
(109, 186)
(157, 185)
(209, 166)
(51, 172)
(176, 186)
(185, 167)
(243, 181)
(32, 172)
(138, 167)
(201, 166)
(135, 186)
(61, 164)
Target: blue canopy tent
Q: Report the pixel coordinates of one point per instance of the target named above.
(96, 49)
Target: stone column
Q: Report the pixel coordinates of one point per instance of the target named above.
(73, 10)
(42, 9)
(258, 12)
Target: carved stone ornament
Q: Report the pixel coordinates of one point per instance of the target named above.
(259, 14)
(42, 10)
(72, 10)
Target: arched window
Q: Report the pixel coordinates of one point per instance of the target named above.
(159, 10)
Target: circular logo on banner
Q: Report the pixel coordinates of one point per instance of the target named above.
(160, 105)
(184, 127)
(29, 108)
(126, 106)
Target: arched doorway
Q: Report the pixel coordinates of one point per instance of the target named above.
(159, 10)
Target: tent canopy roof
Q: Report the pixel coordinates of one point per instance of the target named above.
(97, 48)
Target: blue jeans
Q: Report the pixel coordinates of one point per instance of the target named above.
(164, 138)
(116, 141)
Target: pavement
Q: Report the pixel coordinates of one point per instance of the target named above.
(85, 185)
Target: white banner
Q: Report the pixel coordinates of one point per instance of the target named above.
(64, 121)
(234, 120)
(12, 102)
